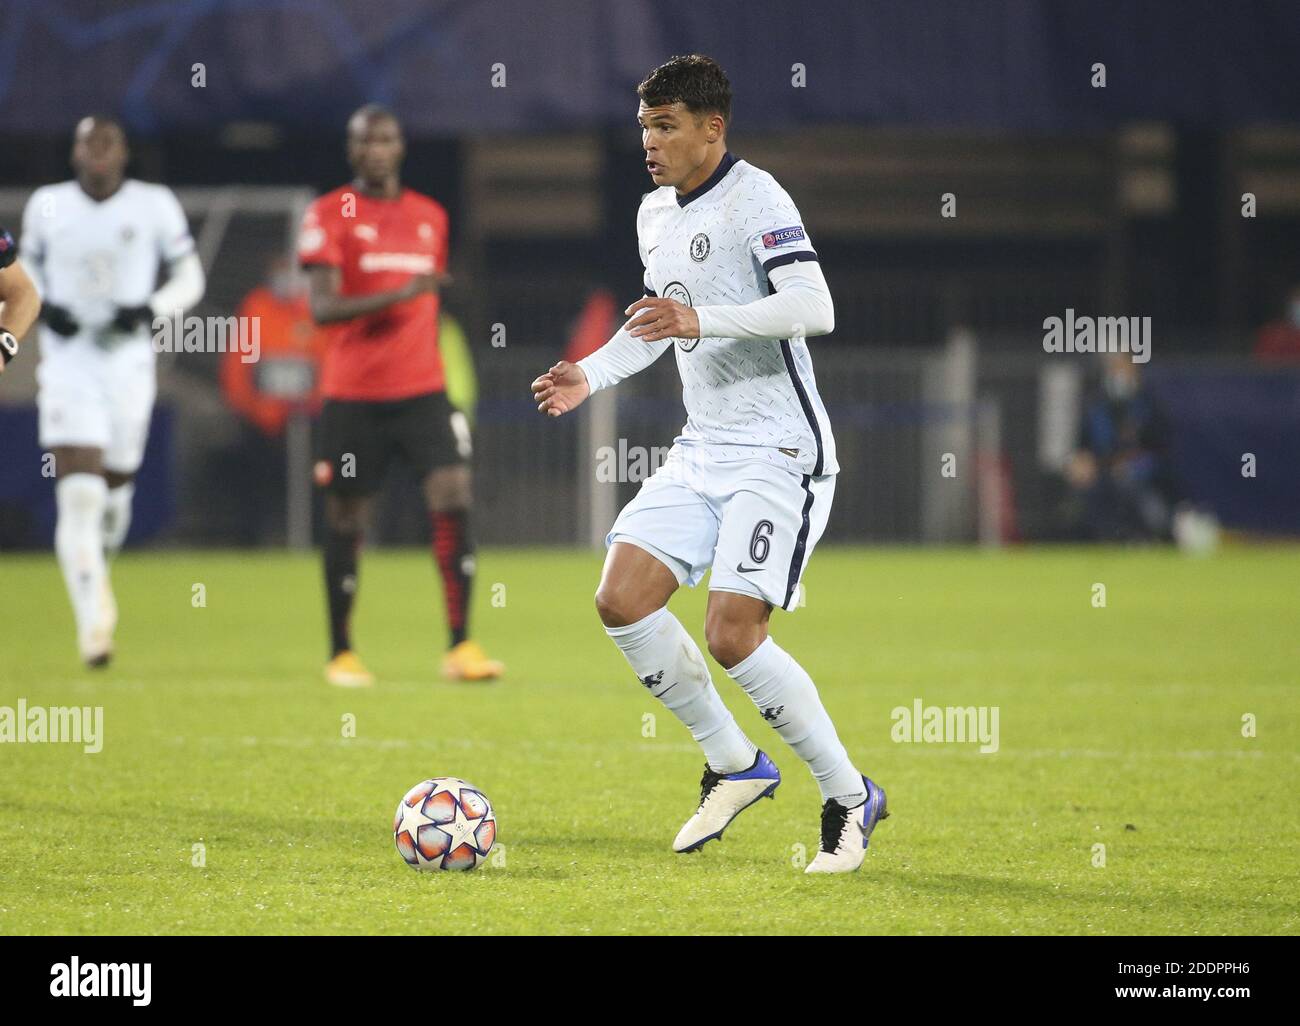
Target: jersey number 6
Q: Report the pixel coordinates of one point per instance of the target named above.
(759, 545)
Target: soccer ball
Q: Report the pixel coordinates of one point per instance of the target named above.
(444, 823)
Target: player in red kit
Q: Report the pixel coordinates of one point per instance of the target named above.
(376, 254)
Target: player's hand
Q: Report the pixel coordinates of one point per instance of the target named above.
(561, 389)
(128, 318)
(59, 320)
(658, 318)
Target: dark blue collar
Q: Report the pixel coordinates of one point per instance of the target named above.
(724, 165)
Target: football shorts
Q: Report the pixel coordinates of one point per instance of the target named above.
(360, 438)
(98, 397)
(751, 523)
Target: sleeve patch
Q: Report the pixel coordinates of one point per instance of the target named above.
(783, 236)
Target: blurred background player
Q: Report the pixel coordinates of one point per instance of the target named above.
(96, 246)
(376, 253)
(731, 277)
(20, 303)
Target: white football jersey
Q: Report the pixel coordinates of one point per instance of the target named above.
(92, 257)
(745, 398)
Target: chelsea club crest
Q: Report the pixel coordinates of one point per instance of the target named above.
(699, 247)
(676, 290)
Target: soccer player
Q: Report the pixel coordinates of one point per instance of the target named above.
(20, 303)
(95, 246)
(376, 254)
(732, 283)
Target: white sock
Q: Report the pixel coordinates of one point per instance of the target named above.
(672, 668)
(117, 517)
(788, 700)
(79, 543)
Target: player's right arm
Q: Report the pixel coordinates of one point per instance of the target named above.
(567, 385)
(20, 303)
(320, 251)
(329, 305)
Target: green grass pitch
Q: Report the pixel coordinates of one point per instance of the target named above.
(1119, 726)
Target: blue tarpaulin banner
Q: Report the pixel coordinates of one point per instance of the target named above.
(475, 66)
(1235, 440)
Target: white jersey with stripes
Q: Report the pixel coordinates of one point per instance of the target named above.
(744, 398)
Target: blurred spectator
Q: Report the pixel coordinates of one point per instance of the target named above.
(283, 379)
(1121, 486)
(267, 391)
(1279, 341)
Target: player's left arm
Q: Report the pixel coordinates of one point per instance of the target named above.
(183, 288)
(20, 302)
(185, 281)
(799, 306)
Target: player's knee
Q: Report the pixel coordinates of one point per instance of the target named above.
(609, 607)
(81, 496)
(618, 604)
(448, 490)
(77, 460)
(732, 641)
(450, 500)
(345, 517)
(344, 522)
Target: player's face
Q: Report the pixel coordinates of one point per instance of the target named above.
(375, 149)
(99, 152)
(676, 142)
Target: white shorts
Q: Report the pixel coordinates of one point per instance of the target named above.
(97, 397)
(753, 524)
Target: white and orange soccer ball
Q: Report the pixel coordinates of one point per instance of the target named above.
(444, 823)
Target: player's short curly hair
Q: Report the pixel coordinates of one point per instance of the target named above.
(371, 112)
(97, 120)
(696, 81)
